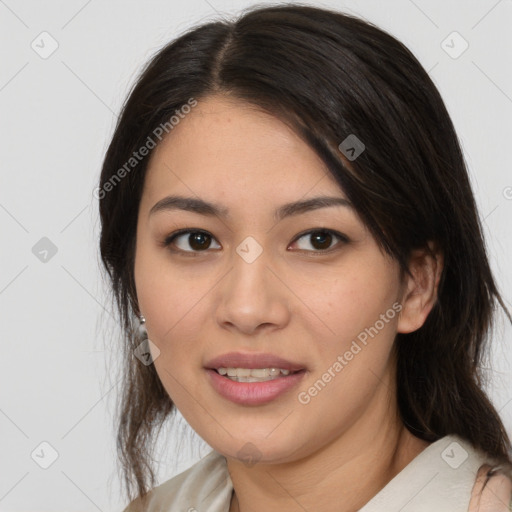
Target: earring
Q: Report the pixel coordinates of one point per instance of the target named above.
(142, 331)
(146, 351)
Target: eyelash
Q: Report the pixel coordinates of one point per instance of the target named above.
(171, 238)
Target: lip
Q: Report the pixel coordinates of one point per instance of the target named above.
(253, 393)
(252, 360)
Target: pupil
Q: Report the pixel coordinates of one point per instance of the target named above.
(197, 241)
(322, 238)
(200, 241)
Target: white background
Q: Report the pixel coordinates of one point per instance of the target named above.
(59, 352)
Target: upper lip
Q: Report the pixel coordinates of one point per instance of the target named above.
(252, 360)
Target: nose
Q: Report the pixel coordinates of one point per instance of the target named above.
(254, 296)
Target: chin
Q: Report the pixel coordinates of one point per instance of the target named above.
(254, 450)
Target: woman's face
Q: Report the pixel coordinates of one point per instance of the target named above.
(261, 285)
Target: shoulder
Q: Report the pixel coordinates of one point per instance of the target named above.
(203, 484)
(492, 491)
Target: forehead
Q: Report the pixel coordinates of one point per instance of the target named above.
(241, 161)
(225, 139)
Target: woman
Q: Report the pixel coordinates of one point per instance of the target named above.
(287, 214)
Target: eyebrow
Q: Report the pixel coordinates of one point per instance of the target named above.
(206, 208)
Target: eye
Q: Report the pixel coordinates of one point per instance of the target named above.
(321, 240)
(198, 240)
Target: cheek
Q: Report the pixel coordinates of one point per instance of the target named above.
(353, 299)
(170, 302)
(174, 301)
(352, 364)
(172, 308)
(165, 293)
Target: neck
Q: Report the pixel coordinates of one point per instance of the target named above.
(342, 476)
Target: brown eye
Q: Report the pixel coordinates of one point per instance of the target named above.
(320, 240)
(197, 241)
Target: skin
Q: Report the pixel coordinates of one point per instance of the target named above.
(294, 301)
(493, 496)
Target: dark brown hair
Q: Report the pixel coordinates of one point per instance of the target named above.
(328, 75)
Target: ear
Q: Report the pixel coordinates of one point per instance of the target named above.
(420, 291)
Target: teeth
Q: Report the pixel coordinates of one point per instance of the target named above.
(263, 372)
(252, 374)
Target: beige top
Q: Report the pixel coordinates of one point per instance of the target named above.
(438, 479)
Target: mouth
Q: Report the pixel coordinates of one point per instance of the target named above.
(254, 374)
(253, 365)
(253, 379)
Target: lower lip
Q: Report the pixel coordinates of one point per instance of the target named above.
(253, 393)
